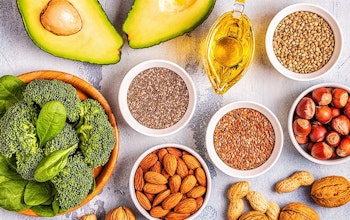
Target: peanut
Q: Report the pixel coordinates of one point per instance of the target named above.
(292, 183)
(238, 190)
(235, 209)
(257, 201)
(273, 211)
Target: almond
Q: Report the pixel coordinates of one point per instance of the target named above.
(155, 178)
(170, 163)
(154, 188)
(191, 162)
(171, 201)
(161, 154)
(158, 212)
(181, 169)
(174, 151)
(175, 183)
(197, 191)
(139, 182)
(148, 161)
(144, 202)
(176, 216)
(149, 196)
(157, 167)
(199, 202)
(188, 183)
(186, 206)
(160, 197)
(201, 176)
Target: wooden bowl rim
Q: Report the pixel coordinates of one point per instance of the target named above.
(84, 89)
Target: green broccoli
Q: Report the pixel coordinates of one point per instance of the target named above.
(65, 139)
(41, 91)
(74, 182)
(18, 138)
(95, 133)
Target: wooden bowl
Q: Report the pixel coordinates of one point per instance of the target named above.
(84, 90)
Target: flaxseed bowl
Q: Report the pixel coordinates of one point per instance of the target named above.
(303, 41)
(157, 98)
(244, 139)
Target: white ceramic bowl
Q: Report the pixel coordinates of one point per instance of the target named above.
(302, 149)
(180, 147)
(252, 172)
(124, 105)
(322, 13)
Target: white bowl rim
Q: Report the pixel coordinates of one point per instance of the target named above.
(290, 125)
(276, 150)
(123, 105)
(157, 147)
(333, 23)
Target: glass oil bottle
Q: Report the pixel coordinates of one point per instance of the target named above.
(228, 48)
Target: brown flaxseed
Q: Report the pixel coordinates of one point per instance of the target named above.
(158, 98)
(303, 42)
(244, 138)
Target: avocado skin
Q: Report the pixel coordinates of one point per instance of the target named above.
(97, 42)
(153, 22)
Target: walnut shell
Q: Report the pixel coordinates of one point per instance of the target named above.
(331, 191)
(297, 211)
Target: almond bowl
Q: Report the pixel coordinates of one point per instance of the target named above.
(244, 139)
(84, 90)
(299, 71)
(304, 146)
(168, 179)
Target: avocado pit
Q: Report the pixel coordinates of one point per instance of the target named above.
(60, 17)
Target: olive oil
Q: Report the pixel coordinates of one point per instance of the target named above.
(228, 49)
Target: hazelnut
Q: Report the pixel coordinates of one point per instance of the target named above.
(340, 97)
(333, 138)
(341, 124)
(323, 114)
(60, 17)
(306, 108)
(343, 150)
(301, 127)
(322, 151)
(322, 96)
(318, 133)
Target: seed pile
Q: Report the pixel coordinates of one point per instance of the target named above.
(244, 139)
(158, 98)
(303, 42)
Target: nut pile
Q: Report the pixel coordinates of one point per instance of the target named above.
(303, 42)
(322, 122)
(170, 183)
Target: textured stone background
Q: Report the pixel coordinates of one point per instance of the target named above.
(262, 84)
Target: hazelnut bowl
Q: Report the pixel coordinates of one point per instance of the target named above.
(303, 41)
(170, 181)
(319, 124)
(157, 98)
(244, 139)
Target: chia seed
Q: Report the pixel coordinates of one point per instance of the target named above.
(158, 98)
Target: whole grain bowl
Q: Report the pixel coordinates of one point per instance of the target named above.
(102, 173)
(170, 181)
(244, 139)
(319, 125)
(157, 98)
(303, 41)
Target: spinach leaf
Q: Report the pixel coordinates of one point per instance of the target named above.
(11, 196)
(52, 164)
(11, 89)
(37, 193)
(51, 120)
(44, 210)
(6, 172)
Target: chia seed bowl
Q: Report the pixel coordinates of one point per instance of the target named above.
(303, 42)
(244, 139)
(157, 98)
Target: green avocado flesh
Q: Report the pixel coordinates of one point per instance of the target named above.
(154, 21)
(96, 42)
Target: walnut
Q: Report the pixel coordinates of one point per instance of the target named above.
(297, 210)
(331, 191)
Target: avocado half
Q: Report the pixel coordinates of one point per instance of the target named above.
(93, 39)
(154, 21)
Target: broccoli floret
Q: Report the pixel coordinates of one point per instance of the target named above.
(17, 129)
(65, 139)
(18, 138)
(41, 91)
(74, 182)
(95, 132)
